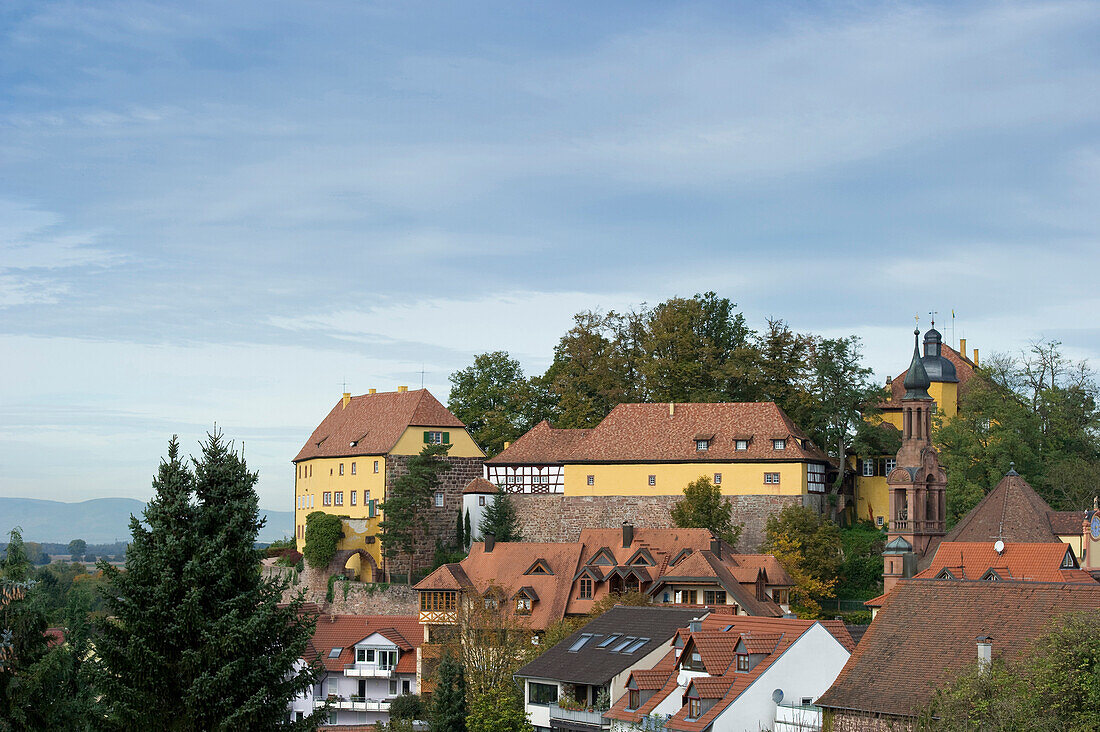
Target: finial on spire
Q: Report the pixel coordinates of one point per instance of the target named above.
(1011, 468)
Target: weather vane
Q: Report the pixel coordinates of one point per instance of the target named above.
(933, 313)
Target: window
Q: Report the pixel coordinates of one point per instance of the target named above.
(405, 686)
(437, 600)
(439, 499)
(623, 644)
(693, 708)
(868, 468)
(387, 659)
(891, 463)
(1067, 561)
(878, 521)
(635, 645)
(523, 605)
(685, 597)
(702, 445)
(353, 468)
(341, 468)
(437, 438)
(353, 495)
(310, 472)
(393, 687)
(510, 479)
(771, 478)
(635, 700)
(609, 640)
(742, 662)
(491, 603)
(327, 499)
(591, 480)
(653, 480)
(718, 479)
(376, 466)
(740, 444)
(481, 500)
(579, 643)
(779, 444)
(585, 588)
(335, 652)
(339, 495)
(807, 701)
(714, 597)
(541, 693)
(360, 655)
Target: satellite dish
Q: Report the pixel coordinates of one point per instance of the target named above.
(777, 696)
(999, 546)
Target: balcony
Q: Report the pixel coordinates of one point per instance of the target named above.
(797, 718)
(367, 671)
(353, 703)
(905, 526)
(576, 719)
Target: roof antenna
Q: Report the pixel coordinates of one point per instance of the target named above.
(421, 375)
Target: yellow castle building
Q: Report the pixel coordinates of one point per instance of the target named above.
(353, 456)
(948, 371)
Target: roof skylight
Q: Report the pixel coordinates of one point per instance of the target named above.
(623, 644)
(609, 640)
(335, 652)
(579, 643)
(636, 645)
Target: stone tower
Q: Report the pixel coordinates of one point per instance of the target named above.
(918, 500)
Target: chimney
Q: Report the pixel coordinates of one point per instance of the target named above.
(889, 380)
(962, 347)
(975, 359)
(347, 398)
(628, 534)
(372, 391)
(490, 540)
(506, 444)
(402, 389)
(716, 546)
(671, 409)
(985, 652)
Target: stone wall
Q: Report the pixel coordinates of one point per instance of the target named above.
(554, 517)
(441, 519)
(850, 721)
(363, 598)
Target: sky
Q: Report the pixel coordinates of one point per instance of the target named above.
(221, 212)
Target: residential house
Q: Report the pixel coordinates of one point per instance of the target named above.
(657, 449)
(736, 674)
(571, 684)
(930, 630)
(354, 455)
(368, 660)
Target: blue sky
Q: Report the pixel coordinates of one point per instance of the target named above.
(221, 211)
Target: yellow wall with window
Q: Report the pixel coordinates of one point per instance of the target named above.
(620, 479)
(314, 478)
(462, 445)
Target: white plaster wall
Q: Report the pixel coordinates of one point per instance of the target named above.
(470, 503)
(538, 714)
(807, 668)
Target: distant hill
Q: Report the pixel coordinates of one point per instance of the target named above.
(98, 521)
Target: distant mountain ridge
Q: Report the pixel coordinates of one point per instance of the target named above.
(98, 521)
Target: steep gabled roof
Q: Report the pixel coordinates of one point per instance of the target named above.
(1012, 511)
(375, 422)
(1018, 561)
(540, 445)
(924, 636)
(344, 631)
(649, 433)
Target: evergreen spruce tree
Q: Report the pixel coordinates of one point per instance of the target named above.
(449, 699)
(196, 638)
(467, 535)
(460, 538)
(407, 506)
(500, 519)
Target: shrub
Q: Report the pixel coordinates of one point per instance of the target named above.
(406, 706)
(323, 531)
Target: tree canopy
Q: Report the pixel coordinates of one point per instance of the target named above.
(704, 507)
(809, 547)
(495, 400)
(500, 519)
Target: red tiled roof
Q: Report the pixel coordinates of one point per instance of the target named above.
(1019, 561)
(924, 636)
(480, 485)
(648, 433)
(540, 445)
(375, 422)
(344, 631)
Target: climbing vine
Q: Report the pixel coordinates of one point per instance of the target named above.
(323, 531)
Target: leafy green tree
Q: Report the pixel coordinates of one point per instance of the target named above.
(500, 519)
(77, 548)
(449, 698)
(809, 547)
(587, 377)
(499, 709)
(191, 617)
(494, 399)
(704, 507)
(406, 706)
(323, 533)
(407, 505)
(844, 395)
(782, 370)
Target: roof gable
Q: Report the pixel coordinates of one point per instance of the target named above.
(540, 445)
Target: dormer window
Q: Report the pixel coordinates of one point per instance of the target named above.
(992, 576)
(635, 700)
(1068, 561)
(742, 662)
(702, 445)
(740, 445)
(523, 605)
(779, 444)
(694, 708)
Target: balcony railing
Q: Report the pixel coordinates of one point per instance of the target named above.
(903, 526)
(797, 718)
(580, 716)
(368, 671)
(352, 703)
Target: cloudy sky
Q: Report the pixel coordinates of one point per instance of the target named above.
(221, 211)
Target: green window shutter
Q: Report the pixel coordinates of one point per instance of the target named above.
(446, 438)
(427, 437)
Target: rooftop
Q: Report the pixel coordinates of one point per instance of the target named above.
(344, 631)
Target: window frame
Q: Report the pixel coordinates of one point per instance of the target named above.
(779, 443)
(439, 499)
(338, 498)
(326, 498)
(771, 478)
(718, 479)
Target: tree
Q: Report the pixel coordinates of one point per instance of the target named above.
(191, 618)
(844, 394)
(77, 547)
(586, 378)
(808, 545)
(782, 373)
(499, 709)
(704, 507)
(500, 519)
(406, 706)
(467, 534)
(494, 399)
(323, 533)
(449, 698)
(407, 505)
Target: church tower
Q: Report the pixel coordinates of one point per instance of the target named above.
(917, 486)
